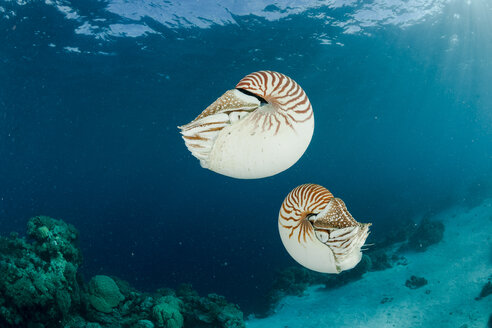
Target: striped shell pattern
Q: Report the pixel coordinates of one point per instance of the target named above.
(319, 232)
(282, 93)
(258, 129)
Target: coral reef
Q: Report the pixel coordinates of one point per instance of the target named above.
(380, 260)
(54, 237)
(212, 311)
(295, 280)
(167, 312)
(104, 294)
(40, 287)
(39, 278)
(144, 324)
(415, 282)
(427, 233)
(486, 290)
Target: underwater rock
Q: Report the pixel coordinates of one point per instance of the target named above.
(397, 234)
(212, 311)
(486, 290)
(167, 309)
(415, 282)
(489, 325)
(167, 313)
(290, 281)
(76, 321)
(92, 325)
(40, 287)
(386, 300)
(128, 313)
(294, 280)
(183, 291)
(52, 237)
(39, 279)
(427, 233)
(379, 260)
(144, 324)
(104, 294)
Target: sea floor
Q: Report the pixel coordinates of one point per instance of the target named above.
(456, 269)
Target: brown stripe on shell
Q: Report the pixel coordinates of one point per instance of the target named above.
(299, 204)
(283, 93)
(280, 91)
(345, 234)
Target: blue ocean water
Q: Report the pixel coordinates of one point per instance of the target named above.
(92, 92)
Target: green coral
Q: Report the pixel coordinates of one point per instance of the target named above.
(104, 294)
(211, 311)
(167, 313)
(54, 237)
(39, 279)
(40, 287)
(144, 324)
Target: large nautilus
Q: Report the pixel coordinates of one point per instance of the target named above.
(318, 231)
(260, 128)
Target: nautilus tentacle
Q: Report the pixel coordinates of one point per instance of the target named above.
(318, 231)
(260, 128)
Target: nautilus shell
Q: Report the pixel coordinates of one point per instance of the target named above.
(260, 128)
(318, 231)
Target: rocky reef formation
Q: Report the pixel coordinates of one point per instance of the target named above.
(39, 278)
(41, 288)
(415, 282)
(486, 290)
(210, 311)
(427, 233)
(104, 294)
(295, 280)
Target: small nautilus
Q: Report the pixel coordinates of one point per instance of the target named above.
(260, 128)
(318, 231)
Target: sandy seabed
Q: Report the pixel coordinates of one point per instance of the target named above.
(456, 270)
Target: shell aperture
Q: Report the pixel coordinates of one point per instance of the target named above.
(318, 231)
(259, 129)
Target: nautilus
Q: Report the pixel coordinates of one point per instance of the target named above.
(259, 129)
(318, 231)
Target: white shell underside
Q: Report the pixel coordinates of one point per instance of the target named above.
(245, 150)
(248, 144)
(320, 255)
